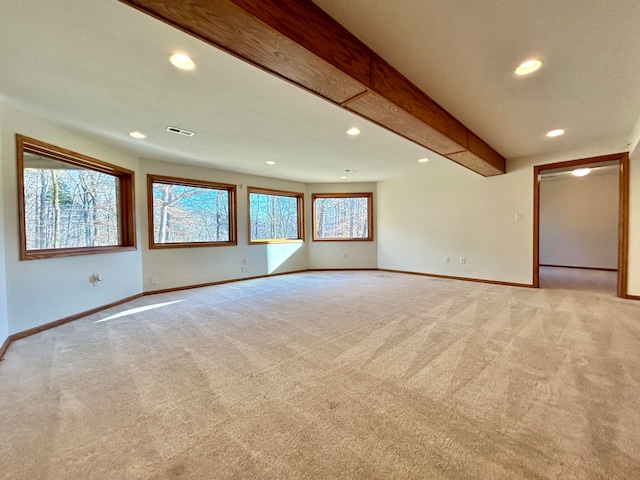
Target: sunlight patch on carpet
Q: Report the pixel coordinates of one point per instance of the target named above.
(131, 311)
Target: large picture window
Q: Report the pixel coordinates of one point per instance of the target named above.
(190, 213)
(342, 216)
(71, 204)
(275, 216)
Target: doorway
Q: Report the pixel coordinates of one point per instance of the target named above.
(622, 162)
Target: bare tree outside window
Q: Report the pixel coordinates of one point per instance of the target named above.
(68, 206)
(274, 216)
(190, 212)
(346, 216)
(71, 204)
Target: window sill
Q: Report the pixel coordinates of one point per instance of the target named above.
(162, 246)
(70, 252)
(343, 239)
(268, 242)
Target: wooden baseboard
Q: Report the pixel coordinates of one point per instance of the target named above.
(219, 282)
(342, 269)
(62, 321)
(632, 297)
(465, 279)
(581, 268)
(3, 348)
(71, 318)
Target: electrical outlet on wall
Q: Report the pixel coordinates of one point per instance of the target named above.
(463, 260)
(447, 259)
(153, 280)
(344, 254)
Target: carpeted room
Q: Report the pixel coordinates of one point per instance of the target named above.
(339, 367)
(331, 375)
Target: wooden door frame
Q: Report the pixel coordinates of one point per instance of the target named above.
(623, 213)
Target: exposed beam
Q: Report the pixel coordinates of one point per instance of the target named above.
(297, 41)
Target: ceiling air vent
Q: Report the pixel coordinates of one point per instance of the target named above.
(181, 131)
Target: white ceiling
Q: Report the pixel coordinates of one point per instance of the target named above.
(463, 54)
(101, 67)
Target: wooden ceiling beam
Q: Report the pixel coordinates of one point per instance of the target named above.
(299, 42)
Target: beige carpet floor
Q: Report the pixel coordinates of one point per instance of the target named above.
(363, 375)
(596, 281)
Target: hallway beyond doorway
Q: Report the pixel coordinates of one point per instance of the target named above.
(561, 278)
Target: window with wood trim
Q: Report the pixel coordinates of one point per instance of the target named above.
(275, 216)
(71, 204)
(342, 216)
(190, 213)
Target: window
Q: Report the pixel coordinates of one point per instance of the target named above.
(275, 216)
(71, 204)
(342, 216)
(190, 213)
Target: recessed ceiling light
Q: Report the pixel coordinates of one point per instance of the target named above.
(528, 67)
(581, 172)
(137, 135)
(353, 131)
(423, 160)
(555, 133)
(343, 177)
(270, 162)
(182, 61)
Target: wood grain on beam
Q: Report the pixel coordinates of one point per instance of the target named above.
(227, 26)
(389, 115)
(320, 34)
(297, 41)
(474, 162)
(481, 149)
(479, 157)
(389, 83)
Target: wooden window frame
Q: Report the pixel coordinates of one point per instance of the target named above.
(367, 195)
(126, 199)
(280, 193)
(187, 182)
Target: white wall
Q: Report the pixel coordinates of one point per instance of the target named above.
(63, 284)
(633, 278)
(4, 320)
(450, 211)
(329, 254)
(444, 210)
(41, 291)
(579, 221)
(177, 267)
